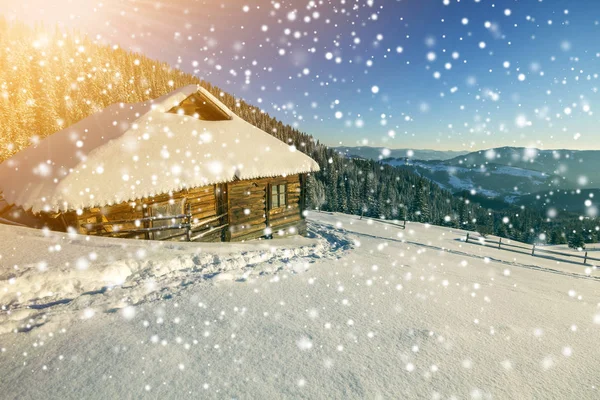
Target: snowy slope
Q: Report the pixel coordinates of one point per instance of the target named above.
(366, 310)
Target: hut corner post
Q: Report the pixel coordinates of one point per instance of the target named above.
(188, 222)
(223, 207)
(303, 228)
(303, 179)
(268, 207)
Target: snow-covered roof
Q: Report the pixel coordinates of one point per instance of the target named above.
(130, 151)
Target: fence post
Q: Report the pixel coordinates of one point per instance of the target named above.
(500, 243)
(188, 222)
(585, 258)
(533, 250)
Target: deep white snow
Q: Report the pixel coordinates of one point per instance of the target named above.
(130, 151)
(362, 310)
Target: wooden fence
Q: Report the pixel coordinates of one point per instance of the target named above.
(192, 231)
(534, 250)
(395, 222)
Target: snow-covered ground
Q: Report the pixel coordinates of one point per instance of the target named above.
(362, 310)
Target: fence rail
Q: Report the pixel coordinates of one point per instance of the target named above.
(91, 226)
(533, 250)
(401, 223)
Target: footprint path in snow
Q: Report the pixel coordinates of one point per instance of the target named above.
(153, 280)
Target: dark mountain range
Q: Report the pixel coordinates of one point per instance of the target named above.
(379, 153)
(507, 173)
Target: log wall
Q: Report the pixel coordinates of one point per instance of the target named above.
(251, 212)
(247, 207)
(201, 202)
(288, 220)
(236, 211)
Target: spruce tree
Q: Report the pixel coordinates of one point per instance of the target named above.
(576, 241)
(422, 203)
(484, 224)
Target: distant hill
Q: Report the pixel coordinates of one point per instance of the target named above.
(379, 153)
(493, 180)
(584, 202)
(507, 173)
(580, 167)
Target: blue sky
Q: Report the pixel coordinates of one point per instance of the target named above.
(403, 74)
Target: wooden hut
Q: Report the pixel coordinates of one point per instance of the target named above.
(180, 167)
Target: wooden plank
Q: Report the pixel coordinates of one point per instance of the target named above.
(236, 197)
(269, 204)
(280, 221)
(241, 202)
(201, 200)
(242, 218)
(284, 219)
(215, 230)
(247, 226)
(295, 224)
(210, 190)
(143, 230)
(291, 208)
(212, 203)
(116, 208)
(257, 204)
(251, 208)
(227, 187)
(253, 233)
(200, 223)
(123, 216)
(106, 221)
(247, 194)
(254, 203)
(260, 181)
(246, 218)
(203, 211)
(206, 195)
(247, 186)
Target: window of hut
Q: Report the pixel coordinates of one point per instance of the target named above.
(201, 107)
(278, 195)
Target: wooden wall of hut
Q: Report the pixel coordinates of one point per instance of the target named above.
(130, 219)
(251, 210)
(235, 211)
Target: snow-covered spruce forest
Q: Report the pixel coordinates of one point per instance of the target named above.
(50, 87)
